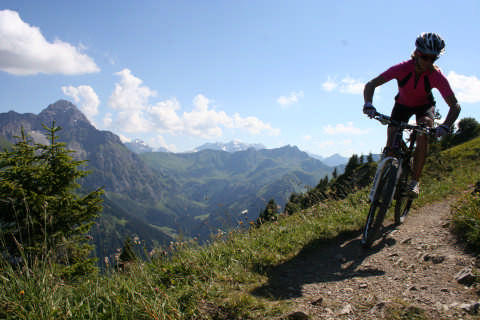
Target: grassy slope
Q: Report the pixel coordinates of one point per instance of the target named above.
(214, 281)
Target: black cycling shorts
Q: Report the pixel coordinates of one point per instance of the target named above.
(403, 113)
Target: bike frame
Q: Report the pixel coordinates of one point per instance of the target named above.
(402, 153)
(387, 183)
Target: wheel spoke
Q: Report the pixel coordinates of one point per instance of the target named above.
(380, 203)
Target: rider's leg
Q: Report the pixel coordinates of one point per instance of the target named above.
(399, 113)
(421, 149)
(391, 131)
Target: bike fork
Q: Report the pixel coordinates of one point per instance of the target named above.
(381, 166)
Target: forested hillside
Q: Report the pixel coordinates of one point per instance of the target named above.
(220, 185)
(160, 196)
(128, 183)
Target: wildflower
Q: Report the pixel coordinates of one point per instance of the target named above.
(22, 293)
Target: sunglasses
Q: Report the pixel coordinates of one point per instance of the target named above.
(428, 58)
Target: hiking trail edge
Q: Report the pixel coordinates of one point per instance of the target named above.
(414, 268)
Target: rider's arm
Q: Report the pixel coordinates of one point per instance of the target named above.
(454, 111)
(370, 88)
(441, 83)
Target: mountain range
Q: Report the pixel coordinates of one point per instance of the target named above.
(139, 146)
(332, 161)
(158, 195)
(232, 146)
(132, 189)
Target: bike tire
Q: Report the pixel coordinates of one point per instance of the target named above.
(403, 201)
(402, 207)
(380, 204)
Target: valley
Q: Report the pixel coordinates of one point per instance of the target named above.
(160, 196)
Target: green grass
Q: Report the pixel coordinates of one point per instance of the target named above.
(466, 220)
(402, 311)
(215, 281)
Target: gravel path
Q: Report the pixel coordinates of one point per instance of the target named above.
(413, 269)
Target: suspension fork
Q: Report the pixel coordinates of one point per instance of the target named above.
(399, 162)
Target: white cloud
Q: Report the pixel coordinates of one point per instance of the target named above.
(329, 85)
(159, 142)
(164, 116)
(124, 139)
(131, 99)
(347, 85)
(205, 122)
(351, 86)
(466, 88)
(136, 114)
(107, 120)
(25, 51)
(307, 137)
(129, 94)
(254, 125)
(291, 99)
(343, 129)
(85, 97)
(132, 121)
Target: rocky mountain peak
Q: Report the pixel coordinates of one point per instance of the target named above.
(64, 112)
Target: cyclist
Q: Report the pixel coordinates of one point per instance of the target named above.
(416, 78)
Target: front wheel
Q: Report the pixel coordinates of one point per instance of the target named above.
(380, 203)
(402, 207)
(403, 201)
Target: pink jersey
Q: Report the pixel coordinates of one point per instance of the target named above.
(413, 93)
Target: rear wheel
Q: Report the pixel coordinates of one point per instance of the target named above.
(380, 203)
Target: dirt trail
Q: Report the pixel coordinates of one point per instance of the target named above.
(414, 264)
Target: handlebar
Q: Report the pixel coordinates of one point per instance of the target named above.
(385, 120)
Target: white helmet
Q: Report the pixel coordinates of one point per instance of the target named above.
(430, 43)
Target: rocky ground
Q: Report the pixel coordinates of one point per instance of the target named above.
(416, 271)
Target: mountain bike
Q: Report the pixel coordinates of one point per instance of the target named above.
(391, 179)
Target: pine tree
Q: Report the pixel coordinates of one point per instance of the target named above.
(468, 128)
(127, 255)
(41, 214)
(370, 158)
(352, 164)
(270, 212)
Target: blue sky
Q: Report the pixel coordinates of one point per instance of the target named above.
(178, 74)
